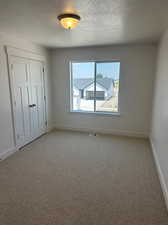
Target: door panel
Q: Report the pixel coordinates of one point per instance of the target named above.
(37, 98)
(21, 98)
(27, 85)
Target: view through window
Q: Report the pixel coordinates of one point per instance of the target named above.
(95, 86)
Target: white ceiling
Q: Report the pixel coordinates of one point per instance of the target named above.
(102, 21)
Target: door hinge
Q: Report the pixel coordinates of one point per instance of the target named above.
(43, 69)
(44, 98)
(46, 123)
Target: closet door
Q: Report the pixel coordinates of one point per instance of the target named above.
(38, 124)
(21, 99)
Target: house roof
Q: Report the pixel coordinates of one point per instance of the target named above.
(83, 83)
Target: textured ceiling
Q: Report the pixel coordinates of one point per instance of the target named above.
(102, 21)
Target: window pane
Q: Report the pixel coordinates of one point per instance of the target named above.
(83, 86)
(107, 86)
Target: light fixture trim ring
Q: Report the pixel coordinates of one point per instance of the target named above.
(69, 15)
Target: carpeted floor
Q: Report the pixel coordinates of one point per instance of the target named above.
(70, 178)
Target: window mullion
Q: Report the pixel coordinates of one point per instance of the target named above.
(95, 87)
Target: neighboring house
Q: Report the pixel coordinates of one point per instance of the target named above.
(85, 88)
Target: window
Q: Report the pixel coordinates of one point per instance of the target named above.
(95, 86)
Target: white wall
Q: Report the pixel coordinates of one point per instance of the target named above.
(6, 129)
(137, 75)
(159, 129)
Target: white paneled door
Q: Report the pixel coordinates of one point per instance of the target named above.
(28, 96)
(37, 98)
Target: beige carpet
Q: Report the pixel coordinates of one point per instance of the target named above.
(70, 178)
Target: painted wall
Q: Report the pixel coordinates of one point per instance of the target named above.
(6, 128)
(136, 83)
(159, 128)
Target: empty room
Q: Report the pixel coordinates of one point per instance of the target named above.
(83, 112)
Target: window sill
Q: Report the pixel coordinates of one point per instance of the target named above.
(96, 113)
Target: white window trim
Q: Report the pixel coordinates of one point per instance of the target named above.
(104, 113)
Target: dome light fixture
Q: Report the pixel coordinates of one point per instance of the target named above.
(69, 20)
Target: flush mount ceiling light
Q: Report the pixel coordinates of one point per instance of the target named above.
(69, 20)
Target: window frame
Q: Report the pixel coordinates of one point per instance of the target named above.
(71, 87)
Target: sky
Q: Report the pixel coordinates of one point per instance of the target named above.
(86, 70)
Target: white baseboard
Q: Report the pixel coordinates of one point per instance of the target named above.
(160, 173)
(50, 129)
(104, 131)
(7, 153)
